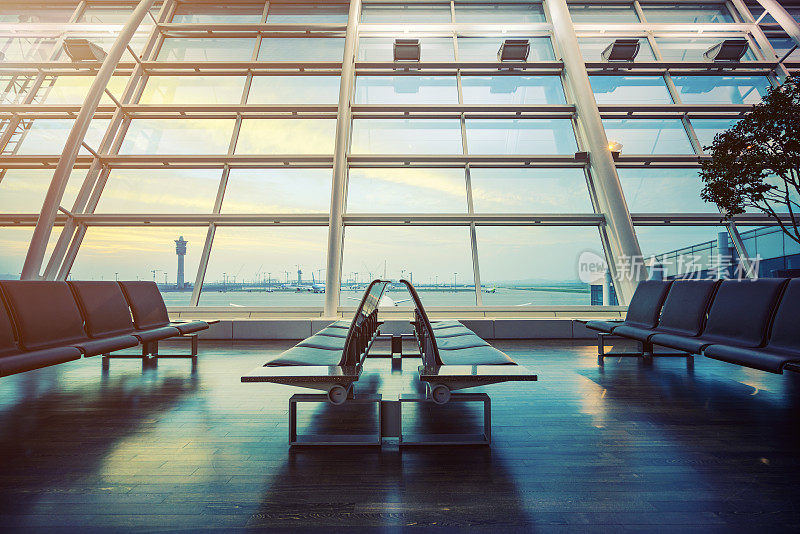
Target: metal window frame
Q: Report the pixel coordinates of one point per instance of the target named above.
(82, 216)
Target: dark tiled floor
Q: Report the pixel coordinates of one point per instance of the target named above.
(634, 447)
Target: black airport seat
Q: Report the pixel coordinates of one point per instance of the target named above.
(446, 370)
(328, 362)
(455, 331)
(643, 310)
(333, 349)
(150, 317)
(460, 342)
(453, 364)
(486, 355)
(739, 315)
(320, 341)
(14, 360)
(450, 323)
(784, 341)
(332, 332)
(104, 309)
(47, 315)
(683, 313)
(306, 356)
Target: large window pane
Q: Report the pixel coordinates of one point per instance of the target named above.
(140, 253)
(437, 260)
(529, 191)
(697, 13)
(409, 136)
(294, 90)
(630, 90)
(648, 136)
(721, 89)
(206, 49)
(592, 48)
(23, 190)
(307, 13)
(100, 14)
(300, 49)
(596, 13)
(687, 250)
(499, 13)
(16, 49)
(14, 242)
(48, 136)
(286, 136)
(782, 45)
(278, 191)
(663, 191)
(773, 249)
(706, 129)
(15, 12)
(395, 13)
(505, 90)
(407, 191)
(406, 90)
(535, 266)
(520, 136)
(160, 191)
(71, 90)
(193, 90)
(178, 136)
(223, 14)
(691, 49)
(241, 274)
(484, 49)
(381, 49)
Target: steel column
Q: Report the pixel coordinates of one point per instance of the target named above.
(782, 17)
(339, 182)
(44, 227)
(610, 200)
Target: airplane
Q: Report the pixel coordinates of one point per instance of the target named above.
(490, 290)
(313, 288)
(317, 287)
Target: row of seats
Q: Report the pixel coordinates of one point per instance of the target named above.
(342, 343)
(753, 323)
(45, 323)
(455, 344)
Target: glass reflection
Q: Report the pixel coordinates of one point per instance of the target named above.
(278, 191)
(648, 136)
(512, 89)
(520, 136)
(721, 89)
(527, 266)
(663, 191)
(397, 90)
(630, 89)
(418, 190)
(407, 136)
(529, 191)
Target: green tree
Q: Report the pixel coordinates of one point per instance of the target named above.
(756, 163)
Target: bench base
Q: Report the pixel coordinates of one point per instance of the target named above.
(149, 354)
(646, 351)
(372, 439)
(416, 439)
(389, 422)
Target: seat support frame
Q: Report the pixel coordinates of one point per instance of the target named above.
(646, 350)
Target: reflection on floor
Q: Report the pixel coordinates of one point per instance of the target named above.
(634, 446)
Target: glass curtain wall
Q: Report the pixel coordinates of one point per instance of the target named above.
(464, 174)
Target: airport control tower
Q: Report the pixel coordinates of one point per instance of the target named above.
(180, 250)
